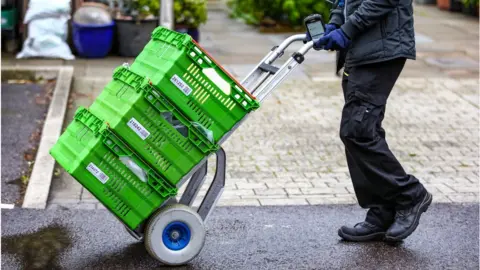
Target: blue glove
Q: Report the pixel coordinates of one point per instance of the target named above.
(328, 28)
(335, 40)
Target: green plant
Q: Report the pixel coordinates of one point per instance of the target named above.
(247, 10)
(291, 12)
(471, 3)
(190, 13)
(138, 9)
(148, 8)
(297, 10)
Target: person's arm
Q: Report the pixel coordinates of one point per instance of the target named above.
(368, 13)
(336, 15)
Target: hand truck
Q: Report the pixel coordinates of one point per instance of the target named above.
(175, 234)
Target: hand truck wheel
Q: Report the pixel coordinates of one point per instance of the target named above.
(175, 235)
(171, 201)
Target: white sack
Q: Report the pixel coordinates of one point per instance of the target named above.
(47, 30)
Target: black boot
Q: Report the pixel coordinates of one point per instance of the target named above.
(406, 221)
(361, 232)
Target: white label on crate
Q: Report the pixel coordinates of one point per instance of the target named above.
(180, 84)
(138, 128)
(101, 176)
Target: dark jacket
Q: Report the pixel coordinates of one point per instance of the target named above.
(380, 30)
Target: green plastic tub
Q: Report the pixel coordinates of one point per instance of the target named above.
(193, 81)
(152, 126)
(103, 164)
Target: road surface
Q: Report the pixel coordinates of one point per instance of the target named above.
(20, 116)
(297, 237)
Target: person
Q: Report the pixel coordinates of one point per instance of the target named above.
(376, 38)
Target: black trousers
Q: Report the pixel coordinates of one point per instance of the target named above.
(380, 182)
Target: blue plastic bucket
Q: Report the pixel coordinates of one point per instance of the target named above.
(93, 41)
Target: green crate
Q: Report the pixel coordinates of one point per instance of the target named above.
(193, 81)
(90, 152)
(145, 120)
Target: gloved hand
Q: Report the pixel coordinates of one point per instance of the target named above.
(335, 40)
(328, 28)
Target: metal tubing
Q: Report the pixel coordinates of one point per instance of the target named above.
(216, 188)
(282, 73)
(188, 197)
(281, 48)
(274, 81)
(269, 59)
(305, 48)
(245, 81)
(260, 81)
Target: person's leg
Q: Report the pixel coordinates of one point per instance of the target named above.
(382, 176)
(381, 213)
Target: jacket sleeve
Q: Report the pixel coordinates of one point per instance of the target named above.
(368, 13)
(336, 14)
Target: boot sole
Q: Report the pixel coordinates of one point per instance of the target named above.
(364, 238)
(423, 208)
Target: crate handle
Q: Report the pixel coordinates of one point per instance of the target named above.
(213, 75)
(120, 148)
(162, 186)
(152, 95)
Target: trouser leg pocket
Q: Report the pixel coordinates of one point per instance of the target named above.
(360, 120)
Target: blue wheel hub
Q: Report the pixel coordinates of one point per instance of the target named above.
(176, 235)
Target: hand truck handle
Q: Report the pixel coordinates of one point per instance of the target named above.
(265, 77)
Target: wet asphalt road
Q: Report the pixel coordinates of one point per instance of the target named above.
(20, 114)
(246, 238)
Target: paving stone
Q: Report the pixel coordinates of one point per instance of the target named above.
(239, 192)
(464, 198)
(65, 186)
(100, 206)
(270, 191)
(310, 191)
(251, 186)
(440, 198)
(293, 191)
(87, 197)
(332, 200)
(288, 201)
(238, 202)
(444, 189)
(260, 196)
(289, 185)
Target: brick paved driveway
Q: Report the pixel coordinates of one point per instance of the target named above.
(288, 152)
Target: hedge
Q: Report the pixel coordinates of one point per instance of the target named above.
(285, 12)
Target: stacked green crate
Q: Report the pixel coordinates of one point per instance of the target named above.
(151, 125)
(194, 82)
(110, 170)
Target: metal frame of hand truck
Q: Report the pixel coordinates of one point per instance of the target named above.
(261, 81)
